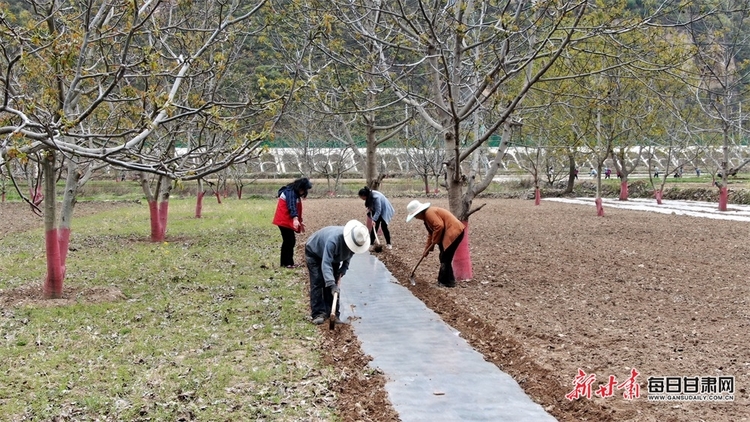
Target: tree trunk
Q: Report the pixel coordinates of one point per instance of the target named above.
(153, 209)
(599, 207)
(199, 199)
(66, 214)
(371, 159)
(624, 189)
(199, 204)
(158, 206)
(723, 198)
(537, 196)
(657, 195)
(53, 283)
(571, 173)
(165, 188)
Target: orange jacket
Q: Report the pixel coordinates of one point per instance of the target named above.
(442, 226)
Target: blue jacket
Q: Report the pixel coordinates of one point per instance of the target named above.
(381, 208)
(328, 245)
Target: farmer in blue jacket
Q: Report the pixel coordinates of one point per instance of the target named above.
(327, 253)
(380, 211)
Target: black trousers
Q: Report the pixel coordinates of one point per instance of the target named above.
(321, 298)
(380, 224)
(445, 275)
(288, 240)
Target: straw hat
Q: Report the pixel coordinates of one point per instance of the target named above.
(356, 236)
(414, 208)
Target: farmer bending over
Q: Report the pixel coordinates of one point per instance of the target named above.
(328, 252)
(444, 230)
(379, 211)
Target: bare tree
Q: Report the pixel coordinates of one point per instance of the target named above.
(116, 83)
(356, 49)
(425, 155)
(721, 42)
(478, 61)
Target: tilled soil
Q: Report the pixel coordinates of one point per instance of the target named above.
(556, 289)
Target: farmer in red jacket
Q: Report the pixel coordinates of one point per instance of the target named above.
(288, 217)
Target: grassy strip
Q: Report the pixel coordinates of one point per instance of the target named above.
(202, 327)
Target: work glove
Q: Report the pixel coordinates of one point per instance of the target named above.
(295, 224)
(335, 289)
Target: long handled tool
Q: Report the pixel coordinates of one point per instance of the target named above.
(378, 247)
(370, 226)
(332, 318)
(411, 276)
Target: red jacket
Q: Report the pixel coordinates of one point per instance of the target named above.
(285, 211)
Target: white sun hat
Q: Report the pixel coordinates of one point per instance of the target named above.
(414, 208)
(356, 236)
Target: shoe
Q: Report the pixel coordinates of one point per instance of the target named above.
(448, 284)
(294, 266)
(318, 320)
(388, 246)
(338, 321)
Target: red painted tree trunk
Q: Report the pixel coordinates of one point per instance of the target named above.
(537, 197)
(158, 214)
(239, 192)
(723, 198)
(158, 206)
(599, 207)
(218, 196)
(624, 190)
(199, 204)
(53, 284)
(657, 195)
(153, 210)
(462, 259)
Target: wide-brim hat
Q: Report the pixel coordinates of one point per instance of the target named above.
(414, 208)
(356, 236)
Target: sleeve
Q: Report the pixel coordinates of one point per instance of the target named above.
(377, 208)
(344, 267)
(291, 203)
(326, 265)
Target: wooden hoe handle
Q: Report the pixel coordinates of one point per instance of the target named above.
(332, 318)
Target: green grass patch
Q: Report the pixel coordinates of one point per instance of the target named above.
(206, 327)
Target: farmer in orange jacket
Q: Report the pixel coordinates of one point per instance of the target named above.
(444, 230)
